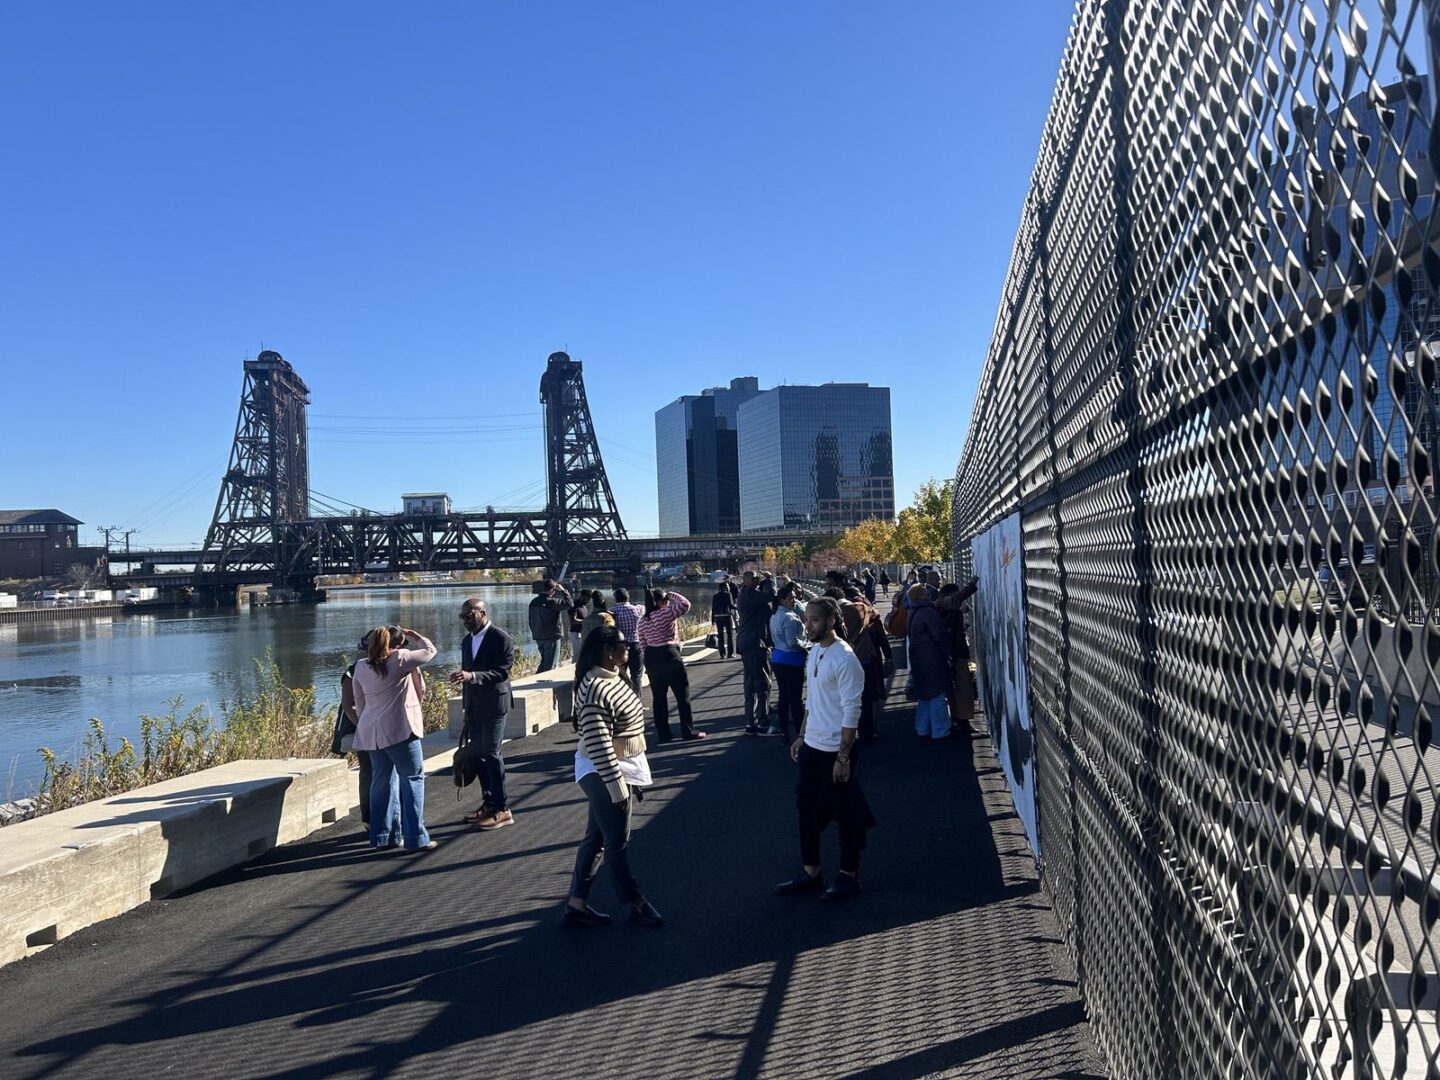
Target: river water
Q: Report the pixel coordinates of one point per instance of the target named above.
(55, 676)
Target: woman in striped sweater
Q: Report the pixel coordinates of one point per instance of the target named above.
(659, 634)
(611, 769)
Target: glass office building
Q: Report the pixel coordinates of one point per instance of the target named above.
(815, 457)
(697, 460)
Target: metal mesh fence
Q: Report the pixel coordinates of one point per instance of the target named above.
(1212, 399)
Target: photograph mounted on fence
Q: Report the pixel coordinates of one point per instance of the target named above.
(1000, 662)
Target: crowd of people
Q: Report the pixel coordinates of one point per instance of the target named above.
(816, 671)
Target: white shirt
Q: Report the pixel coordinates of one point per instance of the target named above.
(836, 683)
(475, 640)
(635, 770)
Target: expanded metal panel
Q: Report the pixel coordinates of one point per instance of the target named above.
(1213, 395)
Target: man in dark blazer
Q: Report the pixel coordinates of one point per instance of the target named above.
(486, 656)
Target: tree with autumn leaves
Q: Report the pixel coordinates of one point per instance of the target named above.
(921, 534)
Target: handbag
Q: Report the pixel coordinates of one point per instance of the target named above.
(466, 767)
(343, 739)
(712, 641)
(897, 623)
(964, 691)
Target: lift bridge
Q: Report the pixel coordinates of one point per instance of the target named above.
(263, 531)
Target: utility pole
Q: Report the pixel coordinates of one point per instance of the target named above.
(127, 534)
(106, 532)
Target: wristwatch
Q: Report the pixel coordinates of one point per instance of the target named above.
(842, 760)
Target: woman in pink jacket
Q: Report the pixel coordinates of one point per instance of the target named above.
(388, 691)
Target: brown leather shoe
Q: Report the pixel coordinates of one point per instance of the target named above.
(496, 819)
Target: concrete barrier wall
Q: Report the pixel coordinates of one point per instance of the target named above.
(64, 871)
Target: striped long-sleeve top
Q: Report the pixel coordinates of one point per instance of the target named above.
(612, 726)
(661, 626)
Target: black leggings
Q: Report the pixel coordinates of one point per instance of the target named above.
(791, 678)
(667, 673)
(872, 701)
(607, 834)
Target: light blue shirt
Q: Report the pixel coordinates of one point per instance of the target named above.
(787, 631)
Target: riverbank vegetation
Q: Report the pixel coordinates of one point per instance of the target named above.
(268, 720)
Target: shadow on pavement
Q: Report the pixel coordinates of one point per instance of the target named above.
(326, 960)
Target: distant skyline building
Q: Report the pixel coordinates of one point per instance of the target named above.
(697, 460)
(741, 459)
(816, 457)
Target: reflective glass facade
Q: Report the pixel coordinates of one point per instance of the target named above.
(697, 460)
(815, 456)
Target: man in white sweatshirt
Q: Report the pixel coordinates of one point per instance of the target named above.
(826, 789)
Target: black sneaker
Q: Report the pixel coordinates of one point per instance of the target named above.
(586, 916)
(643, 913)
(753, 729)
(800, 883)
(843, 887)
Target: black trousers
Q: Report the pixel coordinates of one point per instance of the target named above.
(725, 633)
(791, 680)
(637, 666)
(667, 674)
(757, 685)
(366, 773)
(819, 801)
(490, 734)
(872, 699)
(607, 834)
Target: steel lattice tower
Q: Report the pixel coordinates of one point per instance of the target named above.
(580, 508)
(268, 481)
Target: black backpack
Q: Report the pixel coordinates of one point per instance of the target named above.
(344, 736)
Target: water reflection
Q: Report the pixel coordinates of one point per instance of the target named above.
(55, 676)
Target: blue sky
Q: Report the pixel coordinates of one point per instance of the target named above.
(416, 204)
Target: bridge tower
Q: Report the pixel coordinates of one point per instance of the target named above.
(581, 517)
(268, 482)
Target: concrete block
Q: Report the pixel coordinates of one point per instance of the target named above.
(533, 712)
(55, 880)
(64, 871)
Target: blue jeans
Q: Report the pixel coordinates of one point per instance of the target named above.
(397, 796)
(548, 651)
(932, 717)
(489, 735)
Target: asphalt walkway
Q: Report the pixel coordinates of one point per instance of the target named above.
(323, 959)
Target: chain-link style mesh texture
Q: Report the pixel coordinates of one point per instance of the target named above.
(1212, 395)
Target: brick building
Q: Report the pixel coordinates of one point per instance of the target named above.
(43, 544)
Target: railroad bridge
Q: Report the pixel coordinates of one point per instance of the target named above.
(263, 531)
